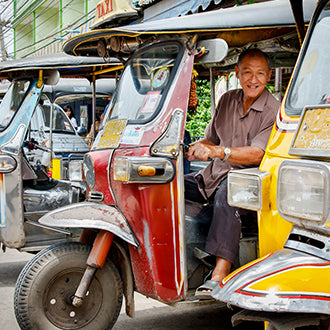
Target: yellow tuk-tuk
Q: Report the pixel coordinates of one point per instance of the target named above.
(138, 232)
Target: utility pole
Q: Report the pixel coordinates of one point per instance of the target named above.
(2, 41)
(3, 23)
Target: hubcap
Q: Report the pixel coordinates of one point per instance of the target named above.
(58, 297)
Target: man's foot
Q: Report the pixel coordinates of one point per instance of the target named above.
(204, 291)
(221, 270)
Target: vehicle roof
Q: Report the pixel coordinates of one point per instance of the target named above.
(67, 65)
(79, 86)
(261, 16)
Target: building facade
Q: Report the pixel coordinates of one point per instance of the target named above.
(41, 26)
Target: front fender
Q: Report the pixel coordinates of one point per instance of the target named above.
(92, 216)
(285, 281)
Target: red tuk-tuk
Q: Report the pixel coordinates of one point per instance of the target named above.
(138, 232)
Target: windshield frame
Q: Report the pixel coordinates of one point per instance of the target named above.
(28, 89)
(289, 110)
(173, 74)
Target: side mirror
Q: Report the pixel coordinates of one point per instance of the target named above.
(51, 77)
(215, 51)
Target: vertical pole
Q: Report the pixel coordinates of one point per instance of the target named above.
(212, 85)
(34, 30)
(94, 109)
(278, 83)
(2, 41)
(51, 132)
(61, 17)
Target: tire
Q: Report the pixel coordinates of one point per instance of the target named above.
(46, 285)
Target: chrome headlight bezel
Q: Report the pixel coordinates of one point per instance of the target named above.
(249, 189)
(7, 163)
(303, 192)
(76, 170)
(131, 169)
(89, 171)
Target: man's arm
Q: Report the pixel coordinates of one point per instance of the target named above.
(205, 149)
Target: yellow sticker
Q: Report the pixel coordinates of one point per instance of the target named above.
(111, 134)
(314, 130)
(313, 135)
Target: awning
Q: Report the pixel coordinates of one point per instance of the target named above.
(269, 16)
(165, 9)
(67, 65)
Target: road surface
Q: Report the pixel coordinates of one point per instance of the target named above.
(149, 314)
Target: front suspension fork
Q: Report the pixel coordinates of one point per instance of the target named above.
(96, 260)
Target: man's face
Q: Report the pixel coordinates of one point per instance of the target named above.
(253, 73)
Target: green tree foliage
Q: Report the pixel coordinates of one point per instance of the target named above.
(196, 123)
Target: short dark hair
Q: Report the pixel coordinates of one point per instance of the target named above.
(253, 52)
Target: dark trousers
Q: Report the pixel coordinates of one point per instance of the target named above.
(225, 229)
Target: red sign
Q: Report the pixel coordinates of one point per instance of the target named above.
(103, 8)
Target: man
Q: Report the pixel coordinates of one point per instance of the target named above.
(236, 137)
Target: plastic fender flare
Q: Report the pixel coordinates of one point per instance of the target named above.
(91, 216)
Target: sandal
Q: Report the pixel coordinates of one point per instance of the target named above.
(208, 285)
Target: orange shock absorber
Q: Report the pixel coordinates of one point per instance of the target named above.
(96, 260)
(101, 247)
(87, 236)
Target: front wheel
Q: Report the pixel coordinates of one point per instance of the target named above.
(46, 286)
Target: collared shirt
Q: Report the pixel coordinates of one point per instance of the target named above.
(229, 127)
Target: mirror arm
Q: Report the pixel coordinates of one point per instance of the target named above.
(297, 10)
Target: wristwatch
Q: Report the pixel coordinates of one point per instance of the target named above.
(227, 154)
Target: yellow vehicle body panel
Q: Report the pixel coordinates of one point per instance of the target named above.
(296, 280)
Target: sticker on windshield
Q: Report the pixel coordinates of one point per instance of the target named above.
(111, 134)
(132, 135)
(150, 102)
(160, 78)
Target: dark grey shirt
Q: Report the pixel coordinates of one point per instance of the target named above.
(229, 127)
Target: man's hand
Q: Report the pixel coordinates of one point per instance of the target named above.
(203, 151)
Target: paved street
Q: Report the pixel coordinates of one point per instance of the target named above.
(150, 314)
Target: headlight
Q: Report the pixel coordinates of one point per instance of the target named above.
(7, 164)
(303, 192)
(249, 189)
(89, 171)
(75, 170)
(143, 169)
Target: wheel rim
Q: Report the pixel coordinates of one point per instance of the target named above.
(58, 296)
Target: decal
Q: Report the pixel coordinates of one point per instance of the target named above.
(313, 134)
(111, 134)
(150, 102)
(160, 78)
(132, 135)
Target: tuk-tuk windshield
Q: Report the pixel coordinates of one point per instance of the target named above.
(11, 101)
(312, 83)
(41, 120)
(143, 84)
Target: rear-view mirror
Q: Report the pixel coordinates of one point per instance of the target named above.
(215, 50)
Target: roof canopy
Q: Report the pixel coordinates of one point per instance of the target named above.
(79, 87)
(67, 65)
(237, 25)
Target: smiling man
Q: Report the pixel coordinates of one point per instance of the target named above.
(236, 137)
